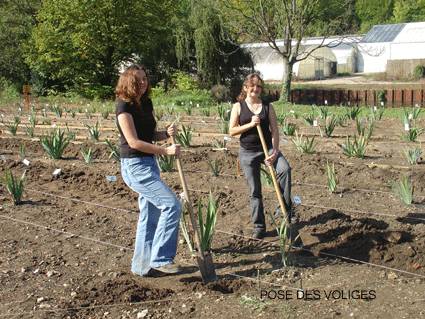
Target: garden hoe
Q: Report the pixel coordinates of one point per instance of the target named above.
(205, 262)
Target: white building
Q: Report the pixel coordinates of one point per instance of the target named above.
(395, 49)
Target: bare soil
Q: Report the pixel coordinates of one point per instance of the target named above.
(66, 250)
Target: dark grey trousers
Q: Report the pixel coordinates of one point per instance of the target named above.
(251, 162)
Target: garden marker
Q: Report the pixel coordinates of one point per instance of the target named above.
(56, 172)
(111, 178)
(205, 263)
(26, 162)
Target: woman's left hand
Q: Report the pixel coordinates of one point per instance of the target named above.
(172, 130)
(272, 158)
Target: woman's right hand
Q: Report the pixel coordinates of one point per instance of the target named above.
(173, 149)
(255, 120)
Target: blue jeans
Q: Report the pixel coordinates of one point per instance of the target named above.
(158, 225)
(251, 162)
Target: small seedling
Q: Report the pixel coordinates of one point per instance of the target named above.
(185, 136)
(55, 143)
(357, 148)
(332, 179)
(288, 128)
(413, 155)
(215, 167)
(330, 123)
(14, 186)
(115, 154)
(404, 189)
(207, 227)
(87, 155)
(266, 178)
(412, 134)
(94, 131)
(304, 145)
(353, 112)
(166, 163)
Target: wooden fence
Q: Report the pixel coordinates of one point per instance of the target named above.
(390, 97)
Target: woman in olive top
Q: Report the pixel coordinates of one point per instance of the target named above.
(249, 112)
(158, 224)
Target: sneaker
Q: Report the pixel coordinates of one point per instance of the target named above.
(259, 233)
(169, 269)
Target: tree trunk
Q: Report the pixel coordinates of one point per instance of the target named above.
(286, 81)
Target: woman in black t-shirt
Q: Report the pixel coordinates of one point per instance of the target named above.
(249, 112)
(157, 228)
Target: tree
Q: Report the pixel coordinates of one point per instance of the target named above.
(16, 21)
(200, 44)
(80, 44)
(287, 20)
(371, 12)
(409, 11)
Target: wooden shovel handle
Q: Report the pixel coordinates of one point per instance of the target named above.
(189, 203)
(273, 175)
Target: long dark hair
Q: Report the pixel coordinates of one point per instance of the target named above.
(249, 80)
(128, 86)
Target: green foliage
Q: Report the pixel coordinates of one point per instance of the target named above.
(363, 129)
(29, 130)
(184, 82)
(22, 151)
(55, 143)
(419, 72)
(57, 110)
(215, 167)
(105, 114)
(323, 112)
(355, 148)
(309, 118)
(87, 154)
(224, 127)
(12, 127)
(185, 136)
(283, 231)
(371, 12)
(288, 128)
(409, 11)
(376, 113)
(413, 155)
(353, 112)
(166, 163)
(14, 186)
(207, 227)
(332, 179)
(115, 154)
(266, 178)
(412, 134)
(185, 229)
(330, 123)
(304, 145)
(223, 112)
(403, 188)
(94, 131)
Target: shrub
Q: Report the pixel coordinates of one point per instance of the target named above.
(184, 81)
(419, 72)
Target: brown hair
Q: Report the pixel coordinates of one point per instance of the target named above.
(249, 80)
(128, 86)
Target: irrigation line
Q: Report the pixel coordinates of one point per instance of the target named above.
(118, 246)
(132, 249)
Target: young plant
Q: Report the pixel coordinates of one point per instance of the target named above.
(73, 113)
(283, 231)
(206, 111)
(323, 112)
(413, 155)
(22, 151)
(412, 134)
(87, 155)
(330, 123)
(12, 128)
(341, 120)
(188, 109)
(281, 118)
(363, 129)
(304, 145)
(223, 112)
(288, 128)
(332, 179)
(207, 227)
(55, 143)
(357, 148)
(224, 127)
(115, 154)
(266, 178)
(404, 190)
(376, 114)
(185, 136)
(14, 186)
(353, 112)
(94, 131)
(309, 118)
(57, 110)
(30, 131)
(32, 119)
(166, 163)
(215, 167)
(70, 134)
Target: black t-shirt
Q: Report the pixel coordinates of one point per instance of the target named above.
(250, 140)
(144, 122)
